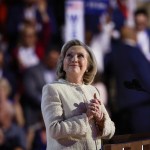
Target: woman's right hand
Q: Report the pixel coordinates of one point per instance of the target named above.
(94, 109)
(89, 112)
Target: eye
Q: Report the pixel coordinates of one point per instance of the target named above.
(68, 55)
(80, 56)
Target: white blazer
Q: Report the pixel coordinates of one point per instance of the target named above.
(64, 112)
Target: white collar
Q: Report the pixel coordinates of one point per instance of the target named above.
(70, 83)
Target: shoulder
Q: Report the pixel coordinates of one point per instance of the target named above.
(54, 87)
(89, 86)
(92, 89)
(50, 87)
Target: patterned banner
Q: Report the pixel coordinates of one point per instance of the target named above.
(74, 20)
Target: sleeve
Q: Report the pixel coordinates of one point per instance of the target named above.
(52, 112)
(109, 126)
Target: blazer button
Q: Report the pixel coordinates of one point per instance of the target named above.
(78, 89)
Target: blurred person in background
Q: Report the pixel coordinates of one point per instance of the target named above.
(6, 72)
(108, 27)
(100, 42)
(143, 31)
(5, 90)
(34, 79)
(12, 137)
(29, 51)
(9, 81)
(35, 11)
(126, 62)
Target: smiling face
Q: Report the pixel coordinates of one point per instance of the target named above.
(75, 61)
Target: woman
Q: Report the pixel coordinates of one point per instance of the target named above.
(74, 116)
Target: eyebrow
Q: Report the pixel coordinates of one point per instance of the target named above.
(76, 53)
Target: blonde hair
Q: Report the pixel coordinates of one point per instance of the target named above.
(88, 76)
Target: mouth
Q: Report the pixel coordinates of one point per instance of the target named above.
(73, 65)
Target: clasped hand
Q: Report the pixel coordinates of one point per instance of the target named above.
(94, 109)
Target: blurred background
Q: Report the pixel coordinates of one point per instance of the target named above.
(32, 33)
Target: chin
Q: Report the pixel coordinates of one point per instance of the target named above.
(74, 71)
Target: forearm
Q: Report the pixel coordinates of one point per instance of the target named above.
(109, 126)
(58, 126)
(106, 126)
(108, 129)
(75, 126)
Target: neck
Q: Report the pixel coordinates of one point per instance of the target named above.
(74, 79)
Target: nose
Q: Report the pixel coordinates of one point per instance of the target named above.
(74, 58)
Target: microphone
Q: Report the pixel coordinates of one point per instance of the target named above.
(134, 85)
